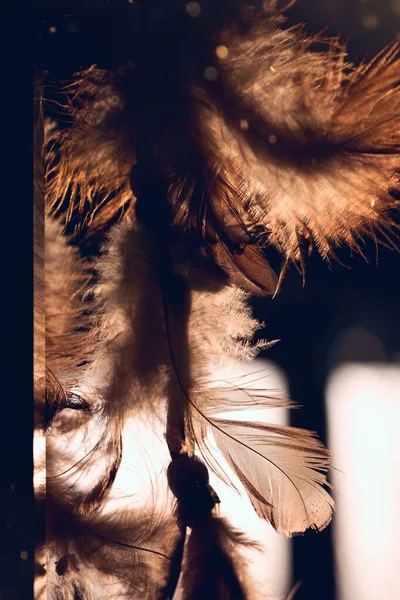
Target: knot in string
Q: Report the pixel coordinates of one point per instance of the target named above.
(189, 482)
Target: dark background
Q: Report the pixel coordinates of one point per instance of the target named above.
(309, 320)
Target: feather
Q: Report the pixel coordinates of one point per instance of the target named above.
(129, 291)
(319, 152)
(289, 145)
(68, 309)
(283, 470)
(213, 567)
(90, 154)
(128, 553)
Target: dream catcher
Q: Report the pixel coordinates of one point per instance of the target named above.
(227, 137)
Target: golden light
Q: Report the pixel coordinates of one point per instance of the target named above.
(222, 52)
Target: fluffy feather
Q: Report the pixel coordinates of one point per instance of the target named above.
(89, 158)
(133, 352)
(213, 568)
(219, 328)
(68, 312)
(290, 145)
(220, 325)
(282, 469)
(303, 144)
(129, 554)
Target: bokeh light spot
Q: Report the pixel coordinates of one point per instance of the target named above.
(193, 9)
(222, 52)
(211, 73)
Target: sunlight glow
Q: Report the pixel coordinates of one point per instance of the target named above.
(271, 570)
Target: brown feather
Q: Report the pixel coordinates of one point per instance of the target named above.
(213, 567)
(319, 152)
(128, 553)
(68, 310)
(284, 472)
(289, 142)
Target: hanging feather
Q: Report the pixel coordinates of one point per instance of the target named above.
(212, 566)
(308, 143)
(283, 470)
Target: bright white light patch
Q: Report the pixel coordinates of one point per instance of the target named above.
(363, 405)
(270, 569)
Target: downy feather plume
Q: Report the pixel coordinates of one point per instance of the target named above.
(319, 141)
(290, 144)
(126, 554)
(68, 309)
(213, 567)
(89, 159)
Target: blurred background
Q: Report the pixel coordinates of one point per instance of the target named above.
(339, 354)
